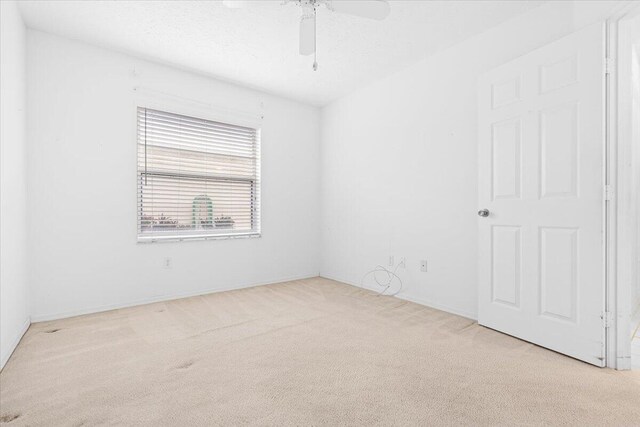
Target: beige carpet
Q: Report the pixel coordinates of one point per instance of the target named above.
(300, 353)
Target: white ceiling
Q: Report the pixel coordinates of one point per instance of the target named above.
(257, 46)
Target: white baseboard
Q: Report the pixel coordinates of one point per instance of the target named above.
(407, 297)
(438, 306)
(160, 298)
(7, 352)
(623, 364)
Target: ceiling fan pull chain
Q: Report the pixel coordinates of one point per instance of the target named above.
(315, 38)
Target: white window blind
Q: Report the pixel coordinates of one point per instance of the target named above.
(197, 178)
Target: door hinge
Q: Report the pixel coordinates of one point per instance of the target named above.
(608, 192)
(607, 319)
(609, 65)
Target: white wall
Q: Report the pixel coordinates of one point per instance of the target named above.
(14, 315)
(635, 134)
(399, 162)
(82, 209)
(627, 183)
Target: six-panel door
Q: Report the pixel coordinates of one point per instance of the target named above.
(541, 145)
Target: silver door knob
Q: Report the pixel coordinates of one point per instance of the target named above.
(483, 212)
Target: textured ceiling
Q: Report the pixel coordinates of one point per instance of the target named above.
(257, 46)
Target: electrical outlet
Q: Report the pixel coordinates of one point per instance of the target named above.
(391, 261)
(167, 263)
(423, 265)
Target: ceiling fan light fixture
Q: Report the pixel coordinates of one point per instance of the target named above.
(371, 9)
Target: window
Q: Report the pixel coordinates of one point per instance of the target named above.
(197, 178)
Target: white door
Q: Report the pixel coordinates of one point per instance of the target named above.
(541, 145)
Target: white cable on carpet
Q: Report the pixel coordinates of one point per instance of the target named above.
(391, 276)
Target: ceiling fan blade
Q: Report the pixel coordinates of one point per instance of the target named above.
(307, 35)
(234, 4)
(372, 9)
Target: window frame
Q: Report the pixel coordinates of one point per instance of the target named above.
(204, 111)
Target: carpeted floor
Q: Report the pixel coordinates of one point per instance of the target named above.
(307, 352)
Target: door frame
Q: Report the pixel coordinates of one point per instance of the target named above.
(618, 139)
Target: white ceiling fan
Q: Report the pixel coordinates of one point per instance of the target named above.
(371, 9)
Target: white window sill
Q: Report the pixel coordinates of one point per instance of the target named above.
(174, 238)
